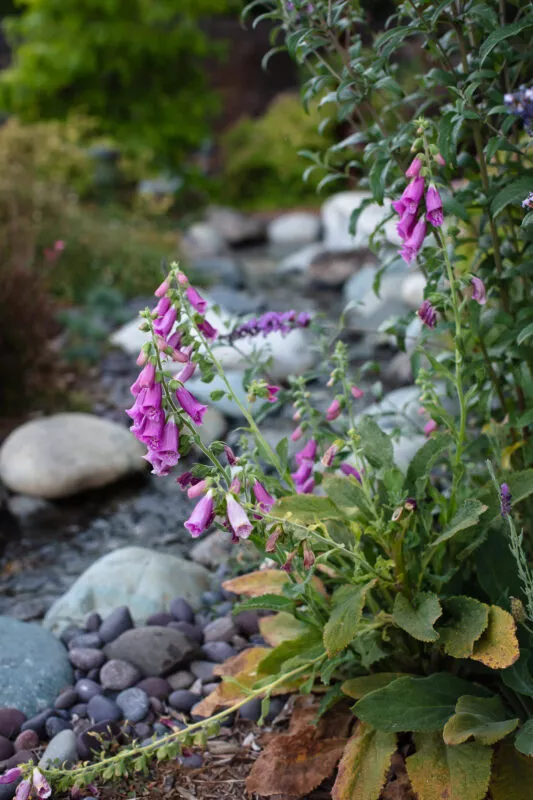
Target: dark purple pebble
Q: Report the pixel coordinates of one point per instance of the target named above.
(87, 688)
(55, 725)
(26, 740)
(85, 640)
(18, 758)
(88, 744)
(160, 618)
(181, 610)
(38, 723)
(86, 658)
(155, 687)
(211, 598)
(11, 722)
(67, 699)
(102, 709)
(70, 633)
(93, 622)
(202, 669)
(218, 651)
(193, 632)
(247, 623)
(62, 713)
(79, 710)
(6, 748)
(183, 700)
(194, 761)
(156, 705)
(115, 624)
(142, 730)
(251, 710)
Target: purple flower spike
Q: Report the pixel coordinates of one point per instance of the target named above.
(191, 405)
(240, 524)
(308, 452)
(196, 300)
(207, 329)
(333, 411)
(434, 207)
(410, 198)
(505, 500)
(414, 169)
(413, 244)
(406, 225)
(350, 471)
(427, 314)
(41, 785)
(202, 515)
(11, 775)
(23, 790)
(479, 293)
(164, 324)
(264, 499)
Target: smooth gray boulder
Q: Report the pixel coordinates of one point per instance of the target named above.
(142, 579)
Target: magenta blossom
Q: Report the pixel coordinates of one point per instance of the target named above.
(11, 775)
(151, 402)
(308, 452)
(208, 330)
(230, 455)
(296, 434)
(427, 314)
(263, 498)
(23, 790)
(196, 300)
(272, 392)
(410, 198)
(406, 225)
(41, 785)
(162, 307)
(191, 405)
(414, 168)
(334, 410)
(434, 206)
(350, 471)
(304, 471)
(163, 288)
(479, 293)
(166, 454)
(305, 488)
(197, 490)
(163, 325)
(413, 244)
(186, 373)
(240, 524)
(202, 515)
(356, 392)
(430, 427)
(146, 377)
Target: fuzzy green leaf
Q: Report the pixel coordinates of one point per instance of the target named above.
(467, 516)
(467, 620)
(423, 462)
(482, 718)
(364, 764)
(418, 617)
(518, 677)
(358, 687)
(524, 738)
(341, 627)
(306, 508)
(375, 444)
(438, 772)
(266, 602)
(346, 493)
(511, 193)
(414, 704)
(499, 35)
(512, 775)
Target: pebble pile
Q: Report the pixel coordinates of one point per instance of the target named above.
(127, 678)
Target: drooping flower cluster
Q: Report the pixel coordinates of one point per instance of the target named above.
(305, 459)
(412, 226)
(270, 322)
(38, 786)
(505, 500)
(527, 202)
(521, 104)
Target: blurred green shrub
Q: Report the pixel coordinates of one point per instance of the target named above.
(261, 165)
(135, 67)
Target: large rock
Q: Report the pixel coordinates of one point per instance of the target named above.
(142, 579)
(369, 310)
(413, 289)
(222, 269)
(67, 453)
(296, 227)
(202, 241)
(336, 214)
(235, 227)
(331, 269)
(153, 650)
(34, 666)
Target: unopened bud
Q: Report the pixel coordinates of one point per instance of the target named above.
(329, 455)
(270, 546)
(182, 279)
(517, 610)
(142, 358)
(287, 566)
(309, 557)
(230, 455)
(397, 514)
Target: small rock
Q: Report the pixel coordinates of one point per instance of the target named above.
(86, 658)
(181, 610)
(251, 710)
(22, 757)
(134, 704)
(115, 624)
(399, 371)
(220, 269)
(223, 609)
(156, 705)
(202, 669)
(239, 642)
(142, 730)
(26, 740)
(86, 689)
(11, 721)
(196, 687)
(7, 790)
(67, 699)
(79, 710)
(160, 618)
(182, 700)
(7, 749)
(247, 622)
(153, 650)
(211, 550)
(207, 688)
(63, 713)
(93, 622)
(413, 288)
(71, 632)
(220, 630)
(196, 717)
(194, 761)
(87, 743)
(155, 687)
(180, 680)
(61, 750)
(331, 269)
(277, 704)
(193, 632)
(102, 708)
(218, 651)
(55, 725)
(201, 241)
(38, 723)
(235, 227)
(211, 597)
(294, 228)
(91, 640)
(118, 675)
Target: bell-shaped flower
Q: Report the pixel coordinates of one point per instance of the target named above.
(413, 171)
(202, 515)
(240, 524)
(208, 330)
(410, 198)
(350, 471)
(434, 206)
(163, 325)
(191, 405)
(479, 293)
(308, 452)
(41, 785)
(334, 410)
(413, 244)
(264, 499)
(23, 790)
(11, 775)
(196, 300)
(427, 314)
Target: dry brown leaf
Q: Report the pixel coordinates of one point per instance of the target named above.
(260, 582)
(244, 661)
(498, 647)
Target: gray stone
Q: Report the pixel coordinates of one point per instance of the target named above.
(220, 630)
(11, 721)
(91, 640)
(55, 725)
(118, 675)
(247, 622)
(194, 761)
(86, 658)
(160, 618)
(182, 700)
(251, 710)
(181, 610)
(203, 670)
(89, 742)
(115, 623)
(201, 241)
(213, 427)
(219, 268)
(157, 688)
(234, 226)
(212, 550)
(218, 651)
(336, 214)
(67, 699)
(7, 790)
(294, 228)
(34, 666)
(134, 704)
(399, 371)
(192, 632)
(181, 680)
(61, 750)
(237, 302)
(405, 448)
(136, 577)
(87, 688)
(153, 650)
(331, 270)
(38, 723)
(368, 310)
(102, 708)
(413, 288)
(225, 405)
(25, 507)
(67, 453)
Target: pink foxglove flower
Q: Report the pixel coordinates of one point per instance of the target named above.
(329, 456)
(440, 160)
(152, 400)
(202, 515)
(296, 434)
(41, 785)
(142, 358)
(430, 427)
(308, 452)
(304, 471)
(406, 225)
(356, 392)
(264, 499)
(147, 376)
(414, 168)
(11, 775)
(149, 433)
(207, 329)
(410, 198)
(434, 206)
(413, 244)
(272, 392)
(196, 300)
(163, 288)
(163, 325)
(23, 790)
(230, 455)
(427, 314)
(350, 471)
(168, 451)
(235, 486)
(186, 373)
(182, 279)
(162, 307)
(240, 524)
(305, 488)
(479, 293)
(334, 410)
(191, 405)
(197, 490)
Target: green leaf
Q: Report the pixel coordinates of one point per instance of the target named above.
(217, 394)
(468, 619)
(520, 485)
(528, 220)
(524, 334)
(414, 704)
(482, 718)
(468, 515)
(418, 617)
(511, 193)
(346, 494)
(364, 765)
(518, 677)
(512, 776)
(500, 35)
(367, 645)
(282, 450)
(438, 772)
(304, 647)
(340, 629)
(524, 738)
(375, 444)
(267, 602)
(448, 136)
(358, 687)
(423, 462)
(306, 508)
